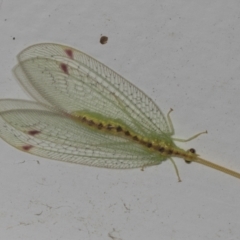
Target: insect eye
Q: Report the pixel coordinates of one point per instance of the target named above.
(192, 150)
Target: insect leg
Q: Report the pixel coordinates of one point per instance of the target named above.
(170, 124)
(189, 139)
(176, 169)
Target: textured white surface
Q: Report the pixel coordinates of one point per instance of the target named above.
(185, 55)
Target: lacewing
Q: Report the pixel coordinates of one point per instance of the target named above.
(86, 113)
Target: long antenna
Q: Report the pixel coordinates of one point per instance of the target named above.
(217, 167)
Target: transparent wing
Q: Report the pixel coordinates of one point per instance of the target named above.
(37, 129)
(72, 81)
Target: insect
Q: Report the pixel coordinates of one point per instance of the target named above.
(86, 113)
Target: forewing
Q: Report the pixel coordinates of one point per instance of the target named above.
(34, 128)
(72, 81)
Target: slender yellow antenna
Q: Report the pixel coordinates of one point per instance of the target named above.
(217, 167)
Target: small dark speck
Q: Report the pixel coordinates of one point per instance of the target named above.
(33, 132)
(119, 129)
(69, 52)
(103, 39)
(91, 122)
(64, 67)
(27, 147)
(149, 145)
(192, 150)
(135, 138)
(127, 133)
(13, 38)
(161, 149)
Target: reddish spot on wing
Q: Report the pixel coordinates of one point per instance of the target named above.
(33, 132)
(64, 67)
(69, 52)
(27, 147)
